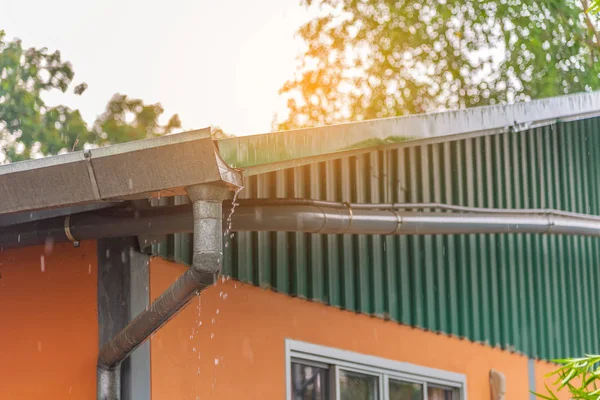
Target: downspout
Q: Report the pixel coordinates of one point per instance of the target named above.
(206, 265)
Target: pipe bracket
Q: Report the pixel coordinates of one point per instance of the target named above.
(68, 232)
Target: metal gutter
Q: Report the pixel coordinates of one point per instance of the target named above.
(278, 150)
(141, 169)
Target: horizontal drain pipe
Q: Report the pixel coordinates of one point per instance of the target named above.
(207, 261)
(303, 216)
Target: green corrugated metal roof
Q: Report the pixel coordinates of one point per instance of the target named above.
(530, 293)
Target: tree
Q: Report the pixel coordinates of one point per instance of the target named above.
(379, 58)
(29, 127)
(579, 376)
(127, 119)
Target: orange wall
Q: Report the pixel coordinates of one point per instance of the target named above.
(48, 322)
(542, 369)
(245, 356)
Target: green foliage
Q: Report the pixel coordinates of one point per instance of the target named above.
(29, 127)
(379, 58)
(579, 376)
(127, 119)
(24, 75)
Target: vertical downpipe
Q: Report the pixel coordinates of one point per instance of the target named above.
(206, 266)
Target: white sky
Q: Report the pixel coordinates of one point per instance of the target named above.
(217, 62)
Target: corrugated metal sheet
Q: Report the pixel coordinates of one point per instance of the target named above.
(529, 293)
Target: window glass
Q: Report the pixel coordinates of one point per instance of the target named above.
(355, 386)
(405, 390)
(438, 393)
(309, 382)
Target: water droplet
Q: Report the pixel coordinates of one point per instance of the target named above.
(19, 238)
(200, 323)
(213, 320)
(49, 245)
(216, 361)
(191, 336)
(218, 311)
(212, 335)
(42, 263)
(194, 349)
(221, 294)
(225, 296)
(198, 371)
(90, 269)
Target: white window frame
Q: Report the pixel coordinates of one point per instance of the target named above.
(371, 365)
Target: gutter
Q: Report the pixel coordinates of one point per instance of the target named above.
(161, 166)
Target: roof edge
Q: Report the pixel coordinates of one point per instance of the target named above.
(267, 151)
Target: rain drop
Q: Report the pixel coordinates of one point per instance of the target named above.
(42, 263)
(49, 245)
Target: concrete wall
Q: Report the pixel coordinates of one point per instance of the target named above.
(229, 344)
(49, 326)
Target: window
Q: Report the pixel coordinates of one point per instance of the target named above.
(323, 373)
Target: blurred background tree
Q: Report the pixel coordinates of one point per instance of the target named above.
(379, 58)
(127, 119)
(29, 127)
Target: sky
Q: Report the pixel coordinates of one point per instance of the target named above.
(217, 62)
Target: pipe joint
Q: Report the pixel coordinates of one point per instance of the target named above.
(207, 262)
